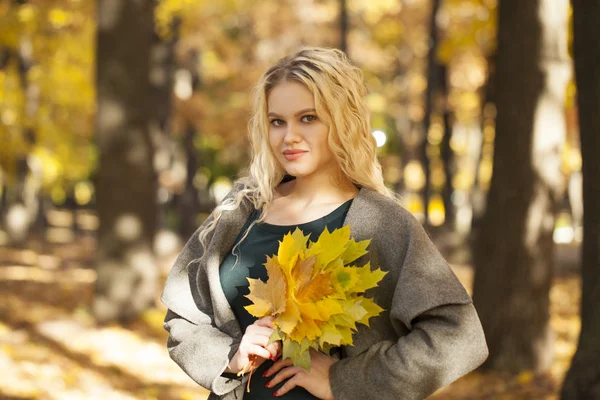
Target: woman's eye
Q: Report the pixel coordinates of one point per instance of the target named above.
(276, 122)
(309, 118)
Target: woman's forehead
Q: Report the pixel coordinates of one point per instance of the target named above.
(289, 98)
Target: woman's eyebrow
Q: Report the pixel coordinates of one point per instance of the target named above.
(272, 114)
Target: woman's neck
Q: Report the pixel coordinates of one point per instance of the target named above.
(315, 190)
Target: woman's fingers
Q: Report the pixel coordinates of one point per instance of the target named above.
(284, 374)
(257, 335)
(259, 330)
(275, 350)
(265, 321)
(253, 349)
(256, 341)
(277, 365)
(294, 381)
(278, 346)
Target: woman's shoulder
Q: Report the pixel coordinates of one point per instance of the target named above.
(376, 206)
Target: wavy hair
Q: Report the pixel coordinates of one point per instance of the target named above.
(339, 96)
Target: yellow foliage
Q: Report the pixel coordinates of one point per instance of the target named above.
(60, 36)
(84, 191)
(315, 296)
(468, 25)
(388, 32)
(59, 18)
(167, 10)
(51, 166)
(374, 10)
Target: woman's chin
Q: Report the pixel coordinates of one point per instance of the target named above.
(296, 171)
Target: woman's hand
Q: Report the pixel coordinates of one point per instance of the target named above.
(253, 349)
(316, 381)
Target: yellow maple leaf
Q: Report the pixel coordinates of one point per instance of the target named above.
(290, 248)
(328, 307)
(355, 250)
(288, 320)
(269, 297)
(307, 329)
(358, 279)
(313, 294)
(330, 245)
(330, 335)
(372, 309)
(302, 273)
(297, 351)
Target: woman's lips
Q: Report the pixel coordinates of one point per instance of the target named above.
(294, 156)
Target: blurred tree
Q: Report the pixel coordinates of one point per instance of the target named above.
(513, 252)
(187, 201)
(344, 26)
(462, 34)
(446, 150)
(583, 378)
(434, 88)
(46, 99)
(126, 180)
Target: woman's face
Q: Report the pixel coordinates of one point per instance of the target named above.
(297, 135)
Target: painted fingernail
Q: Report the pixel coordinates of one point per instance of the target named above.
(265, 373)
(275, 394)
(268, 384)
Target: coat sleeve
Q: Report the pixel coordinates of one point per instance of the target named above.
(445, 339)
(195, 343)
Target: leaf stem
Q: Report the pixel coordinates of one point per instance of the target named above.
(249, 368)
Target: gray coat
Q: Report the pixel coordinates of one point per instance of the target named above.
(429, 335)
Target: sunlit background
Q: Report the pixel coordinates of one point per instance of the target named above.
(431, 98)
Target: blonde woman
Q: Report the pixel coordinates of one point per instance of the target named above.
(314, 165)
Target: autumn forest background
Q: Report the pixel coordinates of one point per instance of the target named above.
(123, 123)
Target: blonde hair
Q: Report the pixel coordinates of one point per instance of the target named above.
(339, 96)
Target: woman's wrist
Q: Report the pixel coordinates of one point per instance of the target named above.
(232, 365)
(228, 370)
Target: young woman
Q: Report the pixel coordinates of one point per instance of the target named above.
(314, 165)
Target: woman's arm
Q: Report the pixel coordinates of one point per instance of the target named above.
(444, 344)
(195, 343)
(202, 351)
(445, 339)
(200, 348)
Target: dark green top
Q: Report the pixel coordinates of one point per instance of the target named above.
(261, 241)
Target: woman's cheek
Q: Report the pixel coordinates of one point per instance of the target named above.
(274, 144)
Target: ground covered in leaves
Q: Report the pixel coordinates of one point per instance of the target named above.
(51, 347)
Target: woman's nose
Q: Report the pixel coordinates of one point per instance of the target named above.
(291, 134)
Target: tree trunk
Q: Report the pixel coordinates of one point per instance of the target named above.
(434, 72)
(23, 210)
(513, 252)
(583, 378)
(32, 192)
(188, 203)
(447, 153)
(162, 70)
(344, 26)
(478, 190)
(126, 181)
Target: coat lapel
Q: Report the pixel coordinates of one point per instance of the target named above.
(356, 217)
(226, 231)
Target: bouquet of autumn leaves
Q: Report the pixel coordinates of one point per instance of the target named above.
(314, 295)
